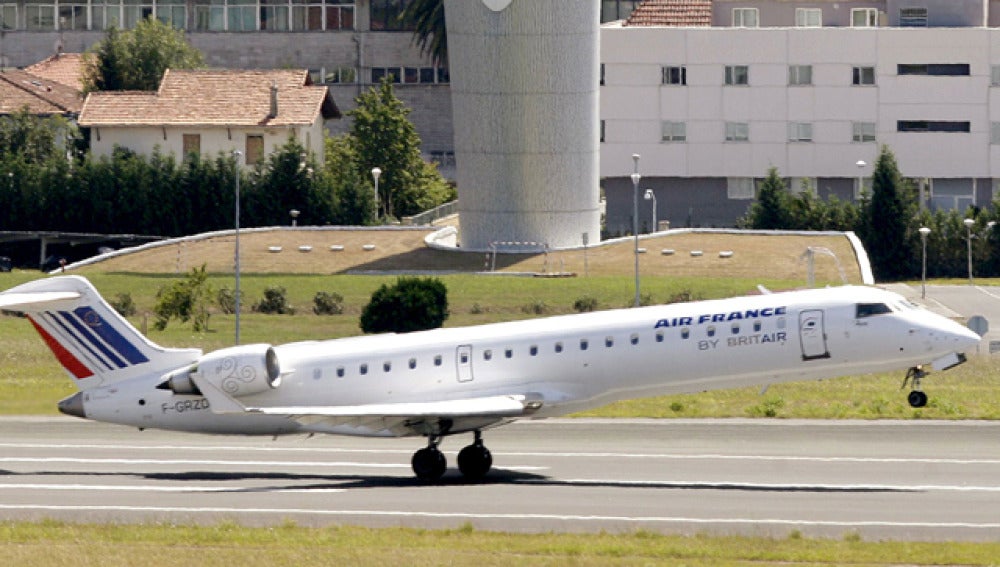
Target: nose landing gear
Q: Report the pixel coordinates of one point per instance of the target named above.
(916, 398)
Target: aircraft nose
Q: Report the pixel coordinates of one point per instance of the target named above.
(73, 405)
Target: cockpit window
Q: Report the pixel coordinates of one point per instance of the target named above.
(871, 309)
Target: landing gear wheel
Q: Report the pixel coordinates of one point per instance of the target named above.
(429, 464)
(917, 399)
(474, 461)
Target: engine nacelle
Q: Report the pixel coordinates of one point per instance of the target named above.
(241, 370)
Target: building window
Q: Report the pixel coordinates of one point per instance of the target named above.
(602, 131)
(800, 132)
(673, 131)
(191, 144)
(340, 14)
(864, 17)
(863, 131)
(340, 75)
(745, 17)
(8, 16)
(913, 17)
(995, 75)
(808, 17)
(255, 149)
(740, 188)
(932, 126)
(862, 186)
(385, 15)
(674, 75)
(170, 12)
(737, 132)
(73, 15)
(934, 69)
(241, 15)
(210, 15)
(274, 15)
(863, 76)
(134, 12)
(612, 10)
(393, 73)
(800, 74)
(995, 132)
(737, 75)
(40, 16)
(800, 185)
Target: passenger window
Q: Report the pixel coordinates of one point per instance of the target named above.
(756, 326)
(413, 363)
(659, 336)
(634, 339)
(609, 342)
(710, 331)
(386, 366)
(437, 360)
(736, 328)
(685, 333)
(464, 358)
(584, 343)
(340, 372)
(559, 347)
(869, 309)
(509, 353)
(533, 350)
(487, 354)
(363, 369)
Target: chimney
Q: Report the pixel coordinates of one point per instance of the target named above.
(274, 101)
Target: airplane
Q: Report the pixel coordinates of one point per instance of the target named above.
(449, 381)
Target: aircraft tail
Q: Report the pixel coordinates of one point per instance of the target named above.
(95, 344)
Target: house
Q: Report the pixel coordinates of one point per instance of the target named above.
(21, 90)
(212, 111)
(63, 68)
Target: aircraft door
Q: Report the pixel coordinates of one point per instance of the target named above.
(463, 363)
(812, 334)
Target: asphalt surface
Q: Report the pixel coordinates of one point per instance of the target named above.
(882, 480)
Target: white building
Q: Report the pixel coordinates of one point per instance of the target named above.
(811, 88)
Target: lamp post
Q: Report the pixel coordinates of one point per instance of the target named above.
(376, 173)
(968, 239)
(236, 264)
(924, 231)
(635, 220)
(294, 213)
(650, 196)
(861, 176)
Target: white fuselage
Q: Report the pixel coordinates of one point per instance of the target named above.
(573, 362)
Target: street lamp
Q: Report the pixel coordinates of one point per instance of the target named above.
(968, 238)
(294, 213)
(861, 176)
(376, 173)
(650, 196)
(236, 264)
(635, 220)
(924, 231)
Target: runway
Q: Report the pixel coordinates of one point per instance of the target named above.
(883, 480)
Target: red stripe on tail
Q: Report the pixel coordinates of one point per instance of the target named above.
(65, 357)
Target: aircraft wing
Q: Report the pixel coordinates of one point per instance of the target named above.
(516, 405)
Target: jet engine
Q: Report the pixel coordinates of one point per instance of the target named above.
(238, 371)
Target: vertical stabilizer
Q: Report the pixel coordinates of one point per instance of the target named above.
(95, 344)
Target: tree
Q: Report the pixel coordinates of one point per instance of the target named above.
(137, 59)
(430, 33)
(187, 299)
(354, 204)
(382, 136)
(772, 209)
(888, 237)
(412, 304)
(289, 179)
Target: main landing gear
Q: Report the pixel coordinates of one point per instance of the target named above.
(917, 398)
(474, 461)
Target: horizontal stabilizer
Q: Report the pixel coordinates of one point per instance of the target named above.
(23, 300)
(517, 405)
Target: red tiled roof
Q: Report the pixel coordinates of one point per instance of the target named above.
(203, 97)
(672, 13)
(20, 89)
(65, 68)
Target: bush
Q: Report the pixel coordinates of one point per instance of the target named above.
(585, 303)
(186, 300)
(412, 304)
(537, 307)
(226, 300)
(123, 304)
(274, 302)
(328, 303)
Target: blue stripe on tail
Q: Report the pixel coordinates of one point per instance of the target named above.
(110, 335)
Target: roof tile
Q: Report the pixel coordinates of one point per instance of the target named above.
(672, 13)
(20, 89)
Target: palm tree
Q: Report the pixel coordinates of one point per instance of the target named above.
(427, 18)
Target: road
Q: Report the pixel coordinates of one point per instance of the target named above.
(882, 480)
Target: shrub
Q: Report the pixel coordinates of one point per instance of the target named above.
(325, 303)
(412, 304)
(186, 300)
(226, 300)
(585, 303)
(537, 307)
(274, 302)
(123, 304)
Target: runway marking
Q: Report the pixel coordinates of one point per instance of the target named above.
(153, 488)
(709, 485)
(756, 522)
(585, 455)
(206, 462)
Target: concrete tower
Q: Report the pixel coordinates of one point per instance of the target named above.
(524, 88)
